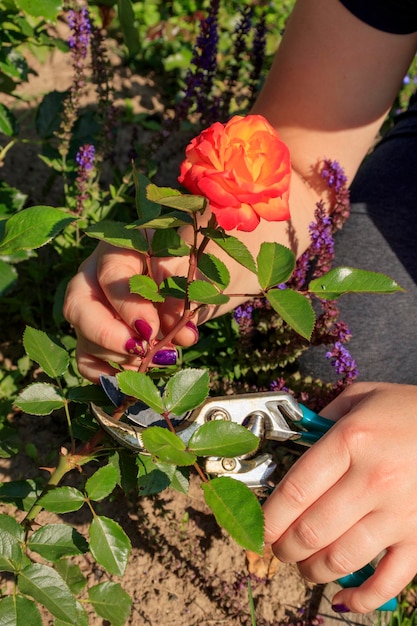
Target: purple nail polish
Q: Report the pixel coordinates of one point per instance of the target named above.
(340, 608)
(191, 326)
(135, 346)
(144, 329)
(165, 357)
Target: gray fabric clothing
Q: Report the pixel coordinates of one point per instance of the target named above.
(381, 235)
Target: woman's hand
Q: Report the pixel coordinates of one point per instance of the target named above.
(111, 323)
(353, 495)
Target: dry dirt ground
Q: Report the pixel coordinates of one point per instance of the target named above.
(183, 570)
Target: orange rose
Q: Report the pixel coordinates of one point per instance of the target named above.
(243, 169)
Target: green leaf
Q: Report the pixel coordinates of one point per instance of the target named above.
(167, 446)
(33, 228)
(111, 602)
(146, 209)
(175, 199)
(342, 280)
(48, 9)
(224, 439)
(206, 293)
(168, 243)
(19, 611)
(142, 387)
(118, 235)
(276, 264)
(146, 287)
(62, 500)
(54, 541)
(174, 287)
(172, 219)
(21, 493)
(48, 114)
(129, 29)
(179, 476)
(233, 247)
(8, 277)
(214, 269)
(237, 510)
(11, 553)
(47, 587)
(152, 477)
(109, 545)
(102, 482)
(8, 123)
(72, 575)
(294, 309)
(82, 617)
(186, 390)
(40, 399)
(9, 525)
(43, 349)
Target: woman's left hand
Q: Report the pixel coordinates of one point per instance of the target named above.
(353, 495)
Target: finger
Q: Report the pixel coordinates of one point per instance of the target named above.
(94, 319)
(347, 400)
(92, 368)
(115, 267)
(395, 570)
(326, 521)
(308, 479)
(351, 551)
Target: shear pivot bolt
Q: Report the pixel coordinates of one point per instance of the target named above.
(218, 414)
(229, 464)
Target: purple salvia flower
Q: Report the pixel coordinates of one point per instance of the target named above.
(343, 362)
(79, 23)
(334, 175)
(85, 160)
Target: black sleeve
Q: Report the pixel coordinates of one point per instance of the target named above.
(391, 16)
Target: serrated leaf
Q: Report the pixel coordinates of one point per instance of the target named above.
(233, 247)
(11, 553)
(142, 387)
(32, 228)
(21, 493)
(179, 476)
(118, 235)
(167, 242)
(17, 610)
(72, 575)
(53, 541)
(8, 122)
(214, 269)
(167, 446)
(62, 500)
(43, 349)
(342, 280)
(9, 525)
(111, 602)
(237, 510)
(40, 399)
(206, 293)
(174, 287)
(152, 478)
(186, 390)
(109, 545)
(276, 264)
(294, 309)
(47, 587)
(175, 199)
(146, 287)
(146, 209)
(102, 482)
(224, 439)
(172, 219)
(82, 617)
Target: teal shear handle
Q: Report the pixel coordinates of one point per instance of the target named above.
(316, 426)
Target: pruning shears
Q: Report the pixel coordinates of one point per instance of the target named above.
(271, 416)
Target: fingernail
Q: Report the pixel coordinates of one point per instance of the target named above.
(340, 608)
(135, 346)
(165, 357)
(144, 329)
(191, 326)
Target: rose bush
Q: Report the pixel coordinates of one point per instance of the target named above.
(243, 169)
